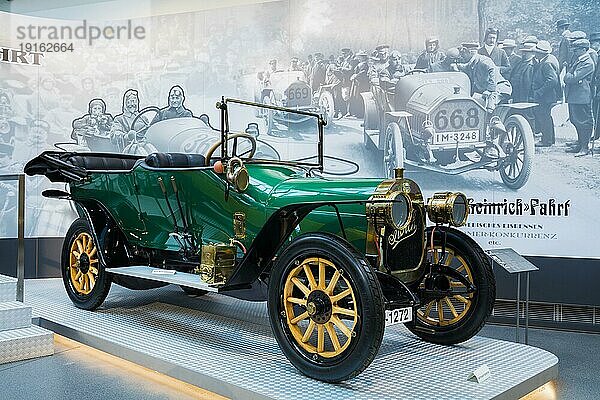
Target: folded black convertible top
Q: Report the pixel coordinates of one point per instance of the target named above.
(61, 166)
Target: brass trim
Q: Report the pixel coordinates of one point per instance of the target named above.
(239, 225)
(440, 208)
(412, 190)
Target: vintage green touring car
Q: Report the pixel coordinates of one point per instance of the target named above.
(337, 260)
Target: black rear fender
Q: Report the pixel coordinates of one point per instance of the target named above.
(113, 247)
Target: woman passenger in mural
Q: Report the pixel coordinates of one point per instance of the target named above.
(96, 123)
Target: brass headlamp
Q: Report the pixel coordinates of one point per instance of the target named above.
(396, 212)
(448, 208)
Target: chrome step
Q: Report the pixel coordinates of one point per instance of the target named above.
(178, 278)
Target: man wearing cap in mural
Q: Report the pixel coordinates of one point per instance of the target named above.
(273, 66)
(576, 35)
(431, 55)
(595, 44)
(579, 96)
(448, 64)
(485, 76)
(123, 131)
(380, 61)
(359, 84)
(522, 73)
(562, 28)
(545, 91)
(395, 69)
(96, 122)
(491, 49)
(295, 64)
(175, 109)
(509, 45)
(572, 37)
(318, 72)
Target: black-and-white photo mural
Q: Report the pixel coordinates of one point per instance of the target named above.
(499, 100)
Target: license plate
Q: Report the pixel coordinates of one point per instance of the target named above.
(453, 137)
(398, 316)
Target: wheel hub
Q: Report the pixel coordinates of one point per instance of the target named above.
(437, 282)
(84, 263)
(319, 306)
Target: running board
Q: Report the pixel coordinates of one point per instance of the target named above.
(163, 275)
(451, 171)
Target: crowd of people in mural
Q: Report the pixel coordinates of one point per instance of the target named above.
(528, 70)
(97, 90)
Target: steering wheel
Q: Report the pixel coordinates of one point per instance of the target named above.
(416, 71)
(147, 125)
(234, 137)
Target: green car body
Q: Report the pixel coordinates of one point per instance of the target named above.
(347, 254)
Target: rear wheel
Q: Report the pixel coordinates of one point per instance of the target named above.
(84, 276)
(326, 307)
(458, 316)
(518, 144)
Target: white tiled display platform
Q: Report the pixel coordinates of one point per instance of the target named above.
(226, 346)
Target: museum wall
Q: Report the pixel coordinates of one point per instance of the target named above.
(223, 52)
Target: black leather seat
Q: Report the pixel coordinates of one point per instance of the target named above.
(95, 163)
(175, 160)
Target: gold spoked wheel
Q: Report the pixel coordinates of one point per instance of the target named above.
(83, 264)
(451, 309)
(320, 307)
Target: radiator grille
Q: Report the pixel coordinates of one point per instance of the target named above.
(408, 253)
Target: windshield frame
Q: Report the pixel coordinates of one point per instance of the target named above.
(223, 107)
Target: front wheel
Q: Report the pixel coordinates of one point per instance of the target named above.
(518, 144)
(393, 150)
(84, 276)
(326, 103)
(459, 316)
(326, 307)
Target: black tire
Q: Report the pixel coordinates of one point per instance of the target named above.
(483, 299)
(102, 281)
(516, 169)
(193, 291)
(362, 344)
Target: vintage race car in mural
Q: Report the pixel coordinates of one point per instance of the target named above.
(337, 260)
(289, 89)
(430, 121)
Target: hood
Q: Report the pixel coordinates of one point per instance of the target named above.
(424, 89)
(307, 190)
